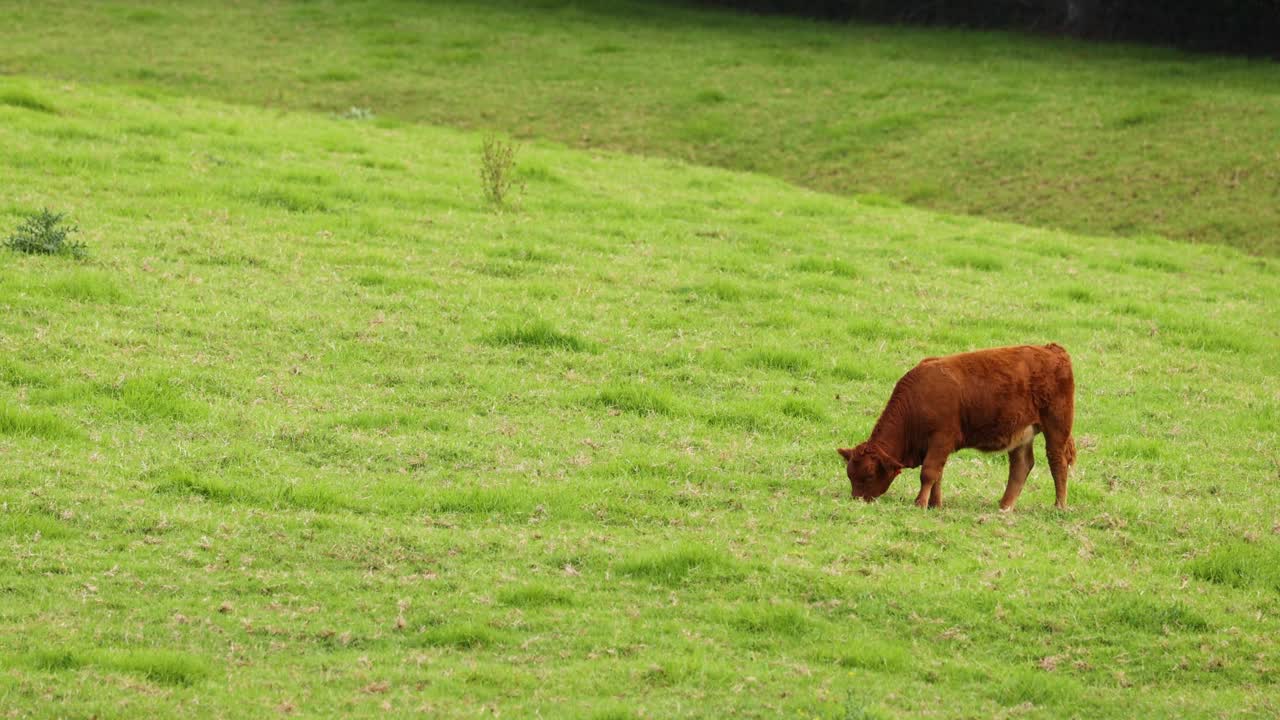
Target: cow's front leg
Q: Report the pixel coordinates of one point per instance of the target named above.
(931, 476)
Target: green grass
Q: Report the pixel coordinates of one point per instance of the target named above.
(534, 596)
(1096, 138)
(21, 98)
(537, 334)
(159, 667)
(465, 636)
(15, 421)
(676, 565)
(637, 399)
(384, 448)
(1241, 565)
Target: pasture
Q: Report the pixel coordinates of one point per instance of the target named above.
(313, 430)
(1101, 139)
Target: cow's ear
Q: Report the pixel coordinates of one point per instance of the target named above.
(889, 465)
(846, 453)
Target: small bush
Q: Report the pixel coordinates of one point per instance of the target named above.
(46, 233)
(497, 165)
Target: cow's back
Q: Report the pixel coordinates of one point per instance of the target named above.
(989, 398)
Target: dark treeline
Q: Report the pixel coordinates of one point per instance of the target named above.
(1249, 27)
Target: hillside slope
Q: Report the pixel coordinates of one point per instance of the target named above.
(1105, 139)
(313, 430)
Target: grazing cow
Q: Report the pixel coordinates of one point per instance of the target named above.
(992, 400)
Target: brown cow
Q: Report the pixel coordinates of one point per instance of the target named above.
(992, 400)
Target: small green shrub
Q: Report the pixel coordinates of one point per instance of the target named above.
(46, 233)
(497, 165)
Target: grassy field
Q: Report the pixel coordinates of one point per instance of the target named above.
(314, 431)
(1092, 138)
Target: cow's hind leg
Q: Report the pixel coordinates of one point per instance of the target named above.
(1061, 449)
(1021, 460)
(1056, 423)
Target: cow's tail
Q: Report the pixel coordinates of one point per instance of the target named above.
(1071, 451)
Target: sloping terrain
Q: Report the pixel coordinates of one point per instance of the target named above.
(1095, 138)
(313, 430)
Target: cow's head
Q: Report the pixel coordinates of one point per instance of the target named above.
(870, 470)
